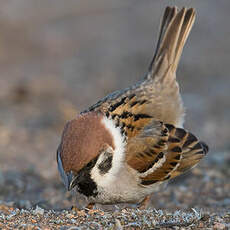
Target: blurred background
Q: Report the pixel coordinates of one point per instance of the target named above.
(57, 58)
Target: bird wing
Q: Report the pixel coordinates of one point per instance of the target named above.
(157, 95)
(162, 151)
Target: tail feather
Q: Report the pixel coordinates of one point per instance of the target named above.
(174, 31)
(169, 13)
(185, 30)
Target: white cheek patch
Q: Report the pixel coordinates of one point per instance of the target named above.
(118, 155)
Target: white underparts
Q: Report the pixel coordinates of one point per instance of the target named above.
(118, 155)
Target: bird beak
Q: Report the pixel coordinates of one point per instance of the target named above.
(69, 180)
(72, 181)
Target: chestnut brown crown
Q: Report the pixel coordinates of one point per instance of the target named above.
(82, 140)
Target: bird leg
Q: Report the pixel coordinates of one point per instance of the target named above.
(144, 203)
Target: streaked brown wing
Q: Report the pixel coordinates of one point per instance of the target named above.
(164, 152)
(147, 147)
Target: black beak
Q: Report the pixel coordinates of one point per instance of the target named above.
(71, 181)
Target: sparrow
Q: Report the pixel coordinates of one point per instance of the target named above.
(122, 148)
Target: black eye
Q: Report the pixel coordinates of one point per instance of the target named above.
(89, 164)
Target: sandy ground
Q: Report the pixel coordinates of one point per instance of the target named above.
(57, 59)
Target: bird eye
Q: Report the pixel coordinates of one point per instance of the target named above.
(92, 163)
(89, 164)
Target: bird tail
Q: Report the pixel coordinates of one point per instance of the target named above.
(174, 31)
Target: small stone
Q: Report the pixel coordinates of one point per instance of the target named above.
(73, 221)
(205, 217)
(38, 210)
(74, 228)
(26, 226)
(117, 225)
(69, 215)
(81, 213)
(219, 226)
(24, 204)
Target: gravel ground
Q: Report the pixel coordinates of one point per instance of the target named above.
(120, 219)
(56, 60)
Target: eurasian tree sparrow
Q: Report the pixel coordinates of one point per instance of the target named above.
(120, 149)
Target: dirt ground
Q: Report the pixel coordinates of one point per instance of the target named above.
(57, 59)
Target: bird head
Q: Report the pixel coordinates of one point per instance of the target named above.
(87, 142)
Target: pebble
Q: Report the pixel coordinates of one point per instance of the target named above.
(74, 228)
(26, 204)
(69, 215)
(117, 225)
(73, 221)
(38, 210)
(219, 226)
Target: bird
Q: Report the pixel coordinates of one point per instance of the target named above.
(122, 148)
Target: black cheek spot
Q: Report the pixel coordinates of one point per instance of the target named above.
(106, 163)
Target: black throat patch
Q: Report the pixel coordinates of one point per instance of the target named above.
(84, 182)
